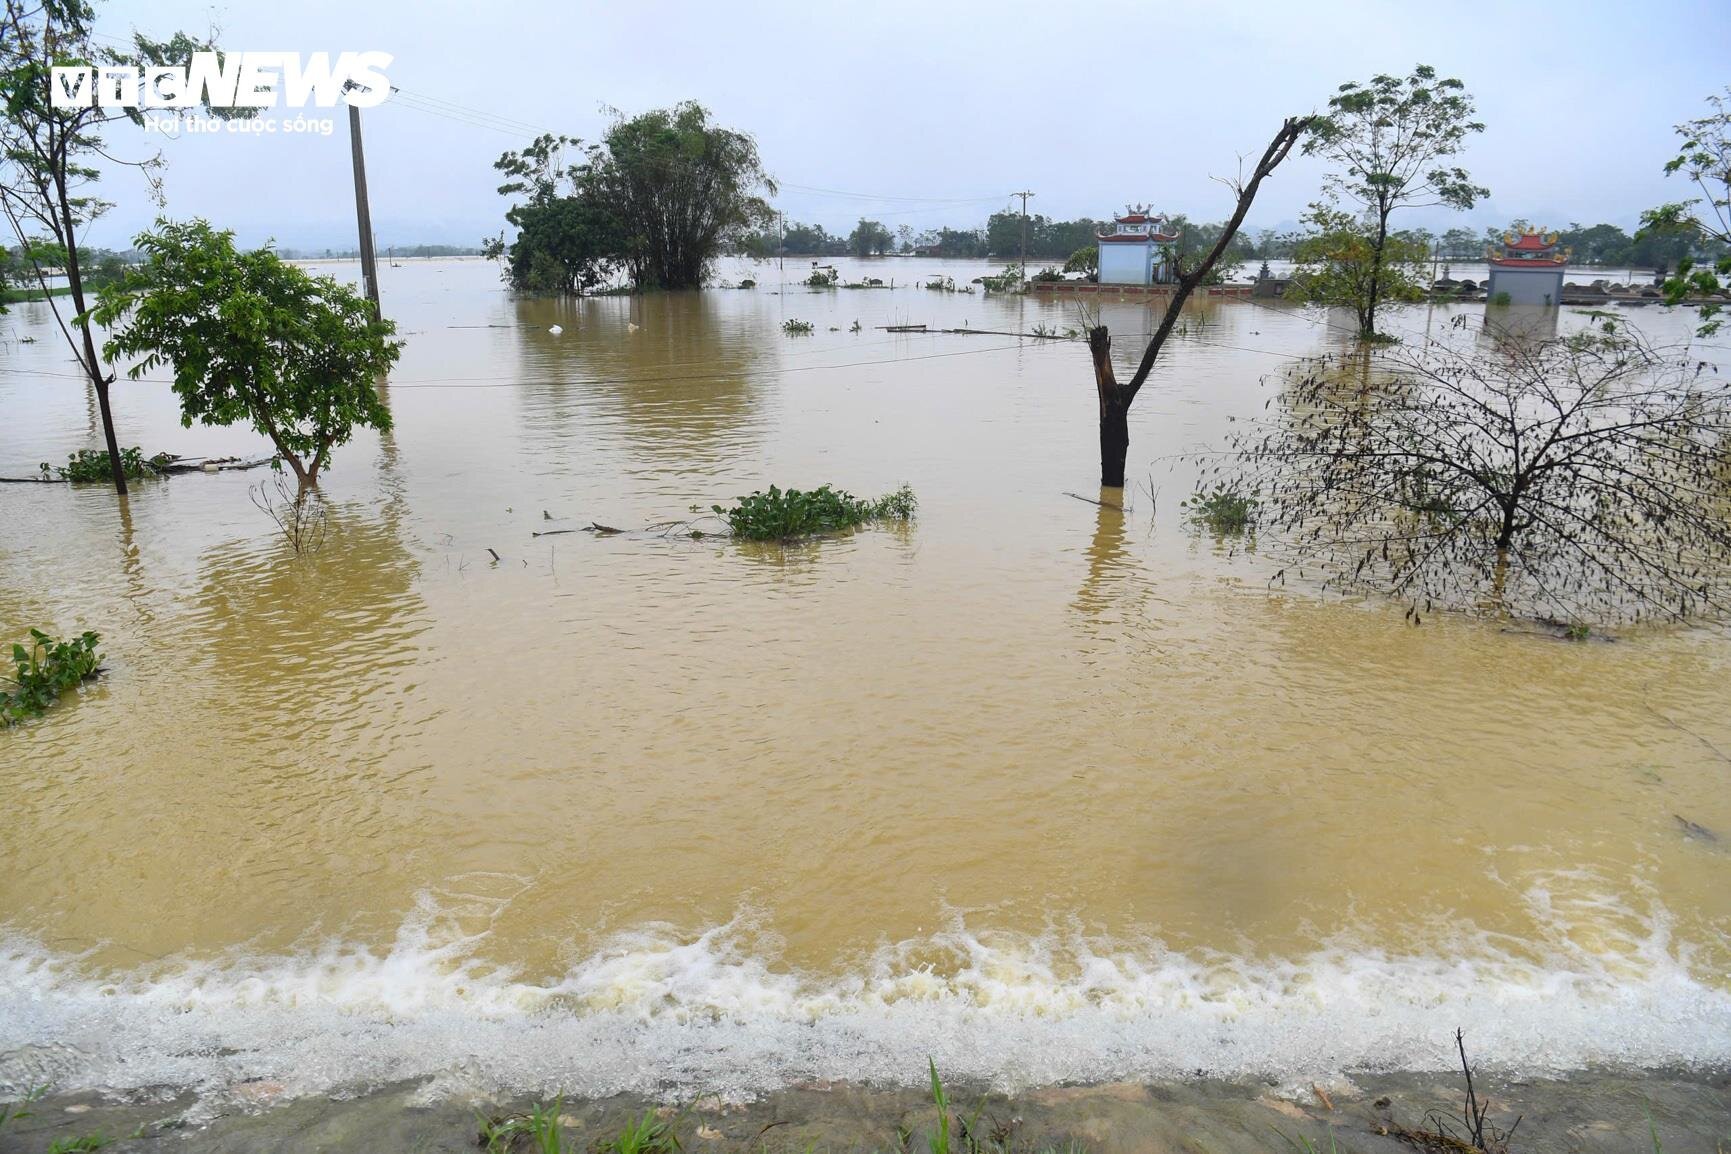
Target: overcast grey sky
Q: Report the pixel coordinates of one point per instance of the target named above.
(941, 109)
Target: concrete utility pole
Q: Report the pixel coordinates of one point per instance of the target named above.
(1024, 196)
(363, 215)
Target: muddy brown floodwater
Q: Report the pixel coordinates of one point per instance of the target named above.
(1049, 791)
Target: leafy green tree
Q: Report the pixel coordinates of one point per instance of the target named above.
(567, 239)
(1060, 238)
(49, 157)
(1666, 244)
(960, 242)
(681, 188)
(1392, 139)
(1462, 244)
(1705, 158)
(1600, 244)
(15, 271)
(1084, 260)
(870, 238)
(1046, 237)
(810, 240)
(1195, 239)
(251, 337)
(1338, 265)
(1004, 233)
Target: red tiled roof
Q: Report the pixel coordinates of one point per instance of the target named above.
(1552, 263)
(1530, 242)
(1136, 237)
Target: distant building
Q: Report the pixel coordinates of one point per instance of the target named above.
(1528, 267)
(1138, 250)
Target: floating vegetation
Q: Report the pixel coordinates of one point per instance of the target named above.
(826, 277)
(93, 465)
(794, 327)
(44, 670)
(947, 284)
(1224, 509)
(783, 514)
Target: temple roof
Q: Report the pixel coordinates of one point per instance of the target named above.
(1527, 249)
(1136, 237)
(1533, 241)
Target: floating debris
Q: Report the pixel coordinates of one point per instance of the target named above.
(1694, 829)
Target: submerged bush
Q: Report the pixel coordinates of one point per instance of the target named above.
(780, 514)
(46, 669)
(92, 465)
(794, 327)
(1223, 509)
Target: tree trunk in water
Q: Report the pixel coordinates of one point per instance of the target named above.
(1114, 410)
(92, 363)
(1368, 328)
(1114, 444)
(1116, 399)
(116, 469)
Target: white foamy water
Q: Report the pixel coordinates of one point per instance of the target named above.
(661, 1011)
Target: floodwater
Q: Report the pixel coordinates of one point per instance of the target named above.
(1044, 789)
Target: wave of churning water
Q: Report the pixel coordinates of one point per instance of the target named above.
(660, 1011)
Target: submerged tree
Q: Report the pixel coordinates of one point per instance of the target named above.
(566, 242)
(1115, 398)
(870, 238)
(661, 196)
(1392, 138)
(1583, 477)
(251, 337)
(1705, 158)
(49, 158)
(1339, 265)
(681, 188)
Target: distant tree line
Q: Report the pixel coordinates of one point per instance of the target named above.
(416, 251)
(1057, 241)
(18, 265)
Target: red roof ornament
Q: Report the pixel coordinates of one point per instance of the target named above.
(1527, 248)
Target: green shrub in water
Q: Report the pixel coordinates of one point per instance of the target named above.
(46, 669)
(781, 514)
(92, 465)
(1223, 509)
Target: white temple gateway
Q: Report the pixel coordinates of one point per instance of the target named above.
(1138, 250)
